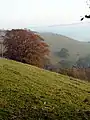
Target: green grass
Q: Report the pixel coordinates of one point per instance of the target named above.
(30, 93)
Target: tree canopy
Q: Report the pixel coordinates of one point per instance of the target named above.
(25, 46)
(64, 53)
(83, 62)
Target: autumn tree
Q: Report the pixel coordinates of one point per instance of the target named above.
(25, 46)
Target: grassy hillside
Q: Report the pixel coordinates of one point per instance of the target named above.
(57, 42)
(30, 93)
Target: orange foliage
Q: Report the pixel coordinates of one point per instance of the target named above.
(25, 46)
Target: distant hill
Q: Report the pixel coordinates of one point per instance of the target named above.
(57, 41)
(79, 31)
(30, 93)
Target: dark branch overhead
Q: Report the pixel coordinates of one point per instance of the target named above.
(86, 16)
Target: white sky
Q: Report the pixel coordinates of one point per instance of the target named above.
(23, 13)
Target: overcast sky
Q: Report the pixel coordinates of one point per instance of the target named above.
(23, 13)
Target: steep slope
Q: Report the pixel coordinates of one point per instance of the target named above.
(57, 42)
(30, 93)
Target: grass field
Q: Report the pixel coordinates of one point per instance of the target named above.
(30, 93)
